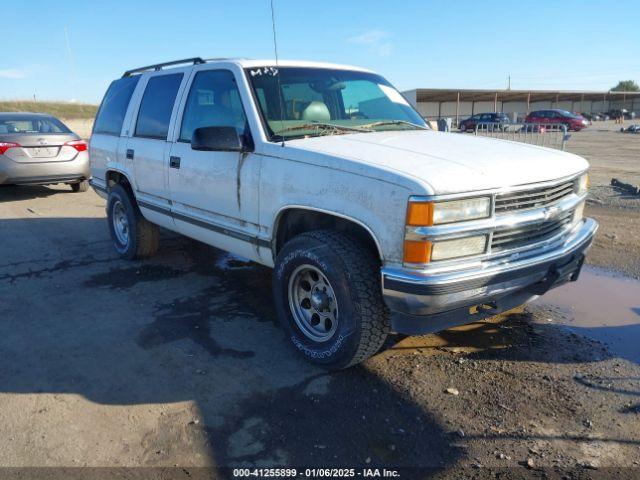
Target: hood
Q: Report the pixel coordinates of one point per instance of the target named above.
(449, 162)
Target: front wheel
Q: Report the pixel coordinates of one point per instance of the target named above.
(328, 298)
(133, 235)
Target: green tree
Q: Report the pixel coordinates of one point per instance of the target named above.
(626, 86)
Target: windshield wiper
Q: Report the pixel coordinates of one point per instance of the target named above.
(319, 125)
(393, 122)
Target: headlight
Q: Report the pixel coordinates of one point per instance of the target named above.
(460, 247)
(438, 213)
(582, 184)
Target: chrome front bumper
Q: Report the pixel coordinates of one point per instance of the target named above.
(422, 301)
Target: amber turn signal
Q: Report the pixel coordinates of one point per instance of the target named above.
(417, 252)
(420, 214)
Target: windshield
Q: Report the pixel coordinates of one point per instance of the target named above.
(322, 101)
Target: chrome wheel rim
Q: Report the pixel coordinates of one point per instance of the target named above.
(120, 222)
(313, 303)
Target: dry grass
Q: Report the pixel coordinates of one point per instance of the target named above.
(57, 109)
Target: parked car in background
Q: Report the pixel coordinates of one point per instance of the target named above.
(558, 117)
(372, 221)
(38, 149)
(499, 120)
(618, 113)
(621, 113)
(592, 117)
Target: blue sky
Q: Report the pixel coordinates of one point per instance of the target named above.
(566, 44)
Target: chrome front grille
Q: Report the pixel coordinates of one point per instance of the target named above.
(512, 238)
(532, 198)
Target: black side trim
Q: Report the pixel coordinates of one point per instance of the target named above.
(419, 289)
(209, 226)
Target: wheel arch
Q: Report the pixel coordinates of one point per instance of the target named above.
(114, 176)
(292, 220)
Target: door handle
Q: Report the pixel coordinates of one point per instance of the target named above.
(130, 153)
(174, 162)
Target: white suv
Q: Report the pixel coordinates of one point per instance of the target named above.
(372, 221)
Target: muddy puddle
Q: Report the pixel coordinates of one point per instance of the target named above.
(600, 306)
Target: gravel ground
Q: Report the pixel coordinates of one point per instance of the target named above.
(612, 155)
(617, 243)
(179, 361)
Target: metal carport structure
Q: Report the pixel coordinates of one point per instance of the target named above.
(430, 101)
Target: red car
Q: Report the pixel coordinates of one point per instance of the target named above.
(558, 117)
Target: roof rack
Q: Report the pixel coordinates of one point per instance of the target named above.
(160, 66)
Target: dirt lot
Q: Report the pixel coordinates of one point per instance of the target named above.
(179, 361)
(612, 155)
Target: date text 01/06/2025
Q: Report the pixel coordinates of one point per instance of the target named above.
(315, 473)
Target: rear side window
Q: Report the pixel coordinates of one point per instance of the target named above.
(156, 106)
(31, 125)
(114, 106)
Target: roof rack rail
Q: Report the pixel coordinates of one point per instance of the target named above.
(159, 66)
(217, 59)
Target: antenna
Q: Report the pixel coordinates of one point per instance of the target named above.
(72, 63)
(275, 50)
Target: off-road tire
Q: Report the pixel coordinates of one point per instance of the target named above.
(82, 186)
(354, 273)
(143, 239)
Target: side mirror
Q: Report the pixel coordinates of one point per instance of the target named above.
(222, 139)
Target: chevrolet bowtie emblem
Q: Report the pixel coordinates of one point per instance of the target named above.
(549, 212)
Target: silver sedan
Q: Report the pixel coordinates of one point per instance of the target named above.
(38, 149)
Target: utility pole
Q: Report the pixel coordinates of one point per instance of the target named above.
(509, 83)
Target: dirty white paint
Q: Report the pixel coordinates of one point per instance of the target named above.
(364, 177)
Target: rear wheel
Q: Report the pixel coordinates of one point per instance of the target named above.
(82, 186)
(328, 298)
(133, 235)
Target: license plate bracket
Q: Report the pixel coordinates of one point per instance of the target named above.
(43, 152)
